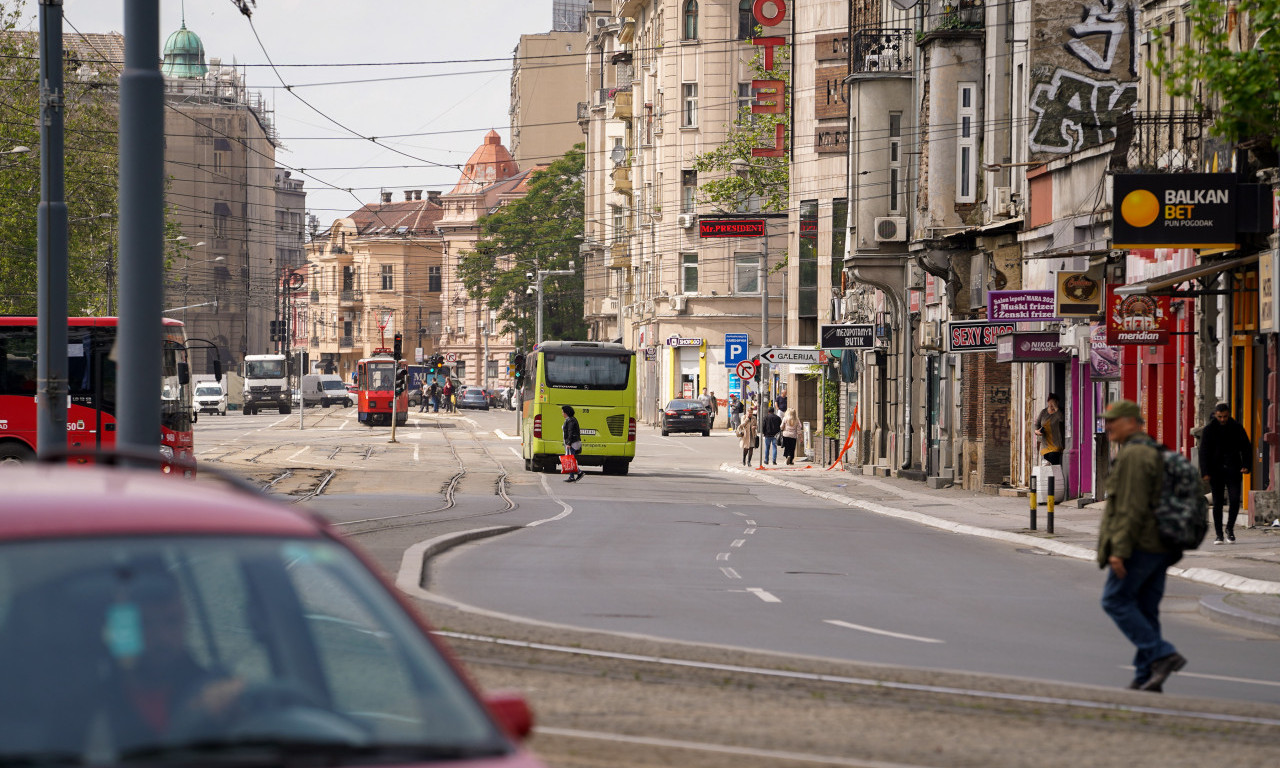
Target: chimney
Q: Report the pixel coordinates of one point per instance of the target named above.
(433, 195)
(386, 197)
(417, 194)
(408, 195)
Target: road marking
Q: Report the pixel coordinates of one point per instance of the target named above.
(415, 453)
(749, 531)
(730, 573)
(740, 514)
(738, 542)
(299, 453)
(751, 522)
(884, 632)
(765, 596)
(568, 510)
(699, 746)
(504, 436)
(514, 452)
(722, 556)
(718, 505)
(344, 424)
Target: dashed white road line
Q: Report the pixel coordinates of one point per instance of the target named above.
(722, 556)
(763, 595)
(751, 522)
(730, 573)
(415, 453)
(885, 632)
(737, 543)
(504, 436)
(299, 453)
(514, 452)
(749, 531)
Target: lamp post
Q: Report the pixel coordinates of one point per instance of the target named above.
(538, 279)
(741, 168)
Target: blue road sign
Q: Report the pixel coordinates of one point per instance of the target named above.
(735, 349)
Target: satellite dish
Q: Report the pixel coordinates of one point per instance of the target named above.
(618, 154)
(904, 5)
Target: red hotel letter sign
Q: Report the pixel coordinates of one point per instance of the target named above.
(770, 94)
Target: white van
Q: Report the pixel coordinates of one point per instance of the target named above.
(210, 398)
(325, 389)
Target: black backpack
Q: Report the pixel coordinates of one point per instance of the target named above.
(1182, 512)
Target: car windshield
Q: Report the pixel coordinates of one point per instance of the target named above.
(208, 391)
(124, 649)
(264, 369)
(683, 405)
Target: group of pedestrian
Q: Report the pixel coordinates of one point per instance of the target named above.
(434, 395)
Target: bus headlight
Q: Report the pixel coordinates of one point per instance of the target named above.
(166, 452)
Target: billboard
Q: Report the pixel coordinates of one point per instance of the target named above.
(1079, 294)
(1021, 306)
(1138, 319)
(1180, 210)
(975, 335)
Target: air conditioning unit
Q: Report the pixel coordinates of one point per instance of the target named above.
(604, 22)
(1003, 205)
(685, 220)
(931, 334)
(677, 303)
(891, 229)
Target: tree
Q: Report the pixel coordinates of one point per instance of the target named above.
(90, 158)
(767, 179)
(1244, 85)
(538, 231)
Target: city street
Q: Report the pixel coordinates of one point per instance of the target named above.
(682, 550)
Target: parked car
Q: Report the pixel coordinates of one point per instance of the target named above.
(473, 397)
(164, 621)
(686, 416)
(210, 398)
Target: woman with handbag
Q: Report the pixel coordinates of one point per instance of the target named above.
(790, 434)
(747, 436)
(572, 436)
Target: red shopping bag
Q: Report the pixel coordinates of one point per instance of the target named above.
(568, 464)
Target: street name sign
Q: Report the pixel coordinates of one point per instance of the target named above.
(794, 355)
(848, 336)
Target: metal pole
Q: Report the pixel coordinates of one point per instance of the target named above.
(111, 281)
(51, 236)
(764, 337)
(141, 227)
(538, 335)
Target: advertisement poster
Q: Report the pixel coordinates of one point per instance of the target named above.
(1139, 319)
(1184, 210)
(1104, 359)
(1020, 306)
(1079, 294)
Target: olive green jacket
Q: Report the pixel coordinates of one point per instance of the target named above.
(1133, 487)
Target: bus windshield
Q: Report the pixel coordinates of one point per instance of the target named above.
(264, 369)
(579, 371)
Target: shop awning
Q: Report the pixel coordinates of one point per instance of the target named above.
(1153, 284)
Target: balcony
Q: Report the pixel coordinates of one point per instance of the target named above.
(619, 256)
(957, 16)
(622, 105)
(882, 50)
(315, 297)
(350, 297)
(346, 342)
(621, 180)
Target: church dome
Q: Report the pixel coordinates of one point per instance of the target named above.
(489, 164)
(183, 55)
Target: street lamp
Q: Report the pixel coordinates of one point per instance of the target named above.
(541, 275)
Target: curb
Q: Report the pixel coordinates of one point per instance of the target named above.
(1209, 576)
(1216, 608)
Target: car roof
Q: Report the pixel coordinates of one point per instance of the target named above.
(44, 501)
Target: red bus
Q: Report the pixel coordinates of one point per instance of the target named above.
(91, 378)
(375, 383)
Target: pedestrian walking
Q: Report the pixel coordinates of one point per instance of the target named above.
(1129, 545)
(770, 426)
(790, 435)
(747, 437)
(1225, 457)
(735, 412)
(424, 398)
(572, 437)
(446, 392)
(1049, 429)
(781, 401)
(434, 393)
(713, 407)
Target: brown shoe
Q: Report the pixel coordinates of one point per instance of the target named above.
(1161, 669)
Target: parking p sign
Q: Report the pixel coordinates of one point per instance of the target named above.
(735, 349)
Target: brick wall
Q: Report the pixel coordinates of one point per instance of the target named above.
(985, 391)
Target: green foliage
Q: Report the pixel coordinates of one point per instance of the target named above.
(90, 175)
(831, 407)
(767, 177)
(1242, 88)
(539, 231)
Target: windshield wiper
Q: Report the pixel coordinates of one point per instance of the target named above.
(268, 751)
(32, 759)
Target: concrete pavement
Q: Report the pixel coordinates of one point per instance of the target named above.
(1248, 570)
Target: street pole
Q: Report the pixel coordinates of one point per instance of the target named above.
(484, 331)
(51, 236)
(543, 274)
(111, 282)
(141, 228)
(764, 336)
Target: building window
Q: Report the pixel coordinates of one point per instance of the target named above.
(689, 108)
(688, 191)
(745, 97)
(461, 327)
(460, 370)
(839, 228)
(388, 277)
(434, 281)
(895, 162)
(746, 20)
(689, 272)
(434, 321)
(807, 261)
(619, 223)
(746, 273)
(691, 20)
(966, 145)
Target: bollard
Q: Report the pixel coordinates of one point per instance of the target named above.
(1049, 501)
(1033, 506)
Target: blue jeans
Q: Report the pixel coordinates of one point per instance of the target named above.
(1133, 603)
(770, 450)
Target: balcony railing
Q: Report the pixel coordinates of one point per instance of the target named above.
(346, 342)
(584, 111)
(315, 297)
(1159, 141)
(882, 50)
(315, 341)
(350, 296)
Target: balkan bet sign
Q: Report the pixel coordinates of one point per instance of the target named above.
(975, 335)
(770, 94)
(1185, 210)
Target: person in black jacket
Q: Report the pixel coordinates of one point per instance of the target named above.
(572, 440)
(1225, 457)
(770, 426)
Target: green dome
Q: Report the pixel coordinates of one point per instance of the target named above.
(183, 55)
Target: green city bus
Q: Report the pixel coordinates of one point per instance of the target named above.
(599, 380)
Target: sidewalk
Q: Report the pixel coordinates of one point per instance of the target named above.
(1248, 570)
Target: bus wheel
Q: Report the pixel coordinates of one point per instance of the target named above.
(616, 467)
(12, 454)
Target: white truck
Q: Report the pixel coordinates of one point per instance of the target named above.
(266, 384)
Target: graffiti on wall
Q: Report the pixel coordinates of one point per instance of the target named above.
(1084, 74)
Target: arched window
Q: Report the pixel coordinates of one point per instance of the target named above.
(746, 20)
(691, 20)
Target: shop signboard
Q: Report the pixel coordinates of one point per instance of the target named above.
(1079, 294)
(1104, 359)
(1137, 319)
(731, 228)
(1021, 306)
(680, 341)
(975, 335)
(1268, 309)
(1182, 210)
(847, 336)
(650, 354)
(1039, 347)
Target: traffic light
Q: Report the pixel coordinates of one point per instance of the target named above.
(397, 347)
(402, 379)
(756, 362)
(275, 330)
(518, 363)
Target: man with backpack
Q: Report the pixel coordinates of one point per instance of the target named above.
(1130, 545)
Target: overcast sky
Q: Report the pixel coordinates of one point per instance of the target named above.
(461, 103)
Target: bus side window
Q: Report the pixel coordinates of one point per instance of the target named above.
(18, 361)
